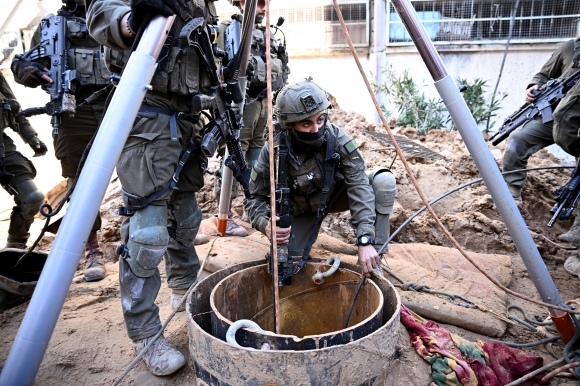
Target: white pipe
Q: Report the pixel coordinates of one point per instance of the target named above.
(38, 325)
(379, 47)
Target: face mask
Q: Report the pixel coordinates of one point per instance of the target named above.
(310, 136)
(306, 142)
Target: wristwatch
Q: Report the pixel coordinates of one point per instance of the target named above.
(364, 240)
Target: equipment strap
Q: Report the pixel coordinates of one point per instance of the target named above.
(330, 162)
(160, 110)
(133, 202)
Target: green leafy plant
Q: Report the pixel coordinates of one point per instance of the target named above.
(415, 109)
(481, 108)
(424, 114)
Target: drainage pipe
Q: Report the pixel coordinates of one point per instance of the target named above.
(40, 319)
(486, 165)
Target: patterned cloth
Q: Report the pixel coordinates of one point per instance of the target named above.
(456, 361)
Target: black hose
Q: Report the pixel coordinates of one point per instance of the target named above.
(362, 280)
(455, 190)
(532, 344)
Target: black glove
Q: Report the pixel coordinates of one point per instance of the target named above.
(38, 146)
(141, 8)
(29, 74)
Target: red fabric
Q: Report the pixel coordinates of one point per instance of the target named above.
(510, 364)
(504, 364)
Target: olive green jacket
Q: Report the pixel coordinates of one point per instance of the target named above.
(556, 65)
(567, 114)
(351, 170)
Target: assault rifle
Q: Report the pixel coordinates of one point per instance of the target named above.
(545, 102)
(52, 53)
(225, 98)
(285, 266)
(566, 197)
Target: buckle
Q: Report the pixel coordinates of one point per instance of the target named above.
(125, 212)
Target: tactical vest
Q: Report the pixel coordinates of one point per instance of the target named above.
(179, 70)
(258, 60)
(306, 181)
(84, 54)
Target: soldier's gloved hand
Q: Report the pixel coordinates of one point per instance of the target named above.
(229, 69)
(142, 8)
(30, 74)
(38, 146)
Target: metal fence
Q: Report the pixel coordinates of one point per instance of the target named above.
(316, 28)
(487, 22)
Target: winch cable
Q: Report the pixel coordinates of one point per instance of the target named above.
(50, 212)
(418, 188)
(169, 318)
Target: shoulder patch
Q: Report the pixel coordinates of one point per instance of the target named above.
(253, 175)
(351, 146)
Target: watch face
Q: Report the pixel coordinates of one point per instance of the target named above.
(364, 240)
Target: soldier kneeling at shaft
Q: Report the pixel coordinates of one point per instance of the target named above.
(317, 148)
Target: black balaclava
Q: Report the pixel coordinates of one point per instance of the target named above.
(307, 142)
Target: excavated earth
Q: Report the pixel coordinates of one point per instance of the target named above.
(89, 345)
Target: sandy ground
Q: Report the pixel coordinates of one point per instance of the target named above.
(89, 345)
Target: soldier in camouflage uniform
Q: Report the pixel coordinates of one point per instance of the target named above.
(301, 112)
(567, 135)
(16, 171)
(255, 116)
(535, 135)
(84, 55)
(162, 222)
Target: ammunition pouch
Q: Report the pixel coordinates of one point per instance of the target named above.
(84, 54)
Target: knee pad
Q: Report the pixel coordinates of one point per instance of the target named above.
(30, 198)
(188, 218)
(385, 188)
(514, 151)
(147, 239)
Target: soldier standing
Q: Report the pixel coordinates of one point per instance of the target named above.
(16, 171)
(318, 148)
(162, 222)
(255, 116)
(84, 55)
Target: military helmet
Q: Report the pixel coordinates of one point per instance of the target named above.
(300, 100)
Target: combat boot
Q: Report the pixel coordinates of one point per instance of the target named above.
(516, 192)
(16, 244)
(233, 229)
(572, 265)
(176, 295)
(94, 267)
(200, 239)
(573, 234)
(162, 358)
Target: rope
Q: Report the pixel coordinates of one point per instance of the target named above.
(274, 249)
(559, 370)
(144, 351)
